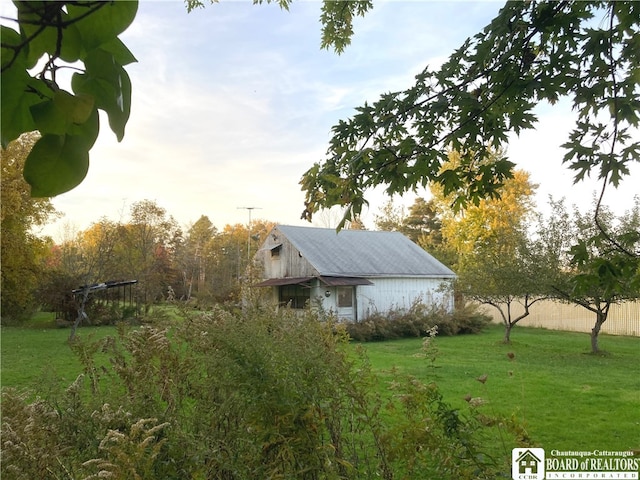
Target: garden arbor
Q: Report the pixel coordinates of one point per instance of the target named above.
(114, 296)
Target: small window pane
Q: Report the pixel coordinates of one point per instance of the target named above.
(297, 296)
(345, 297)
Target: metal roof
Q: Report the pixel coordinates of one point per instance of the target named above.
(363, 253)
(329, 281)
(104, 285)
(275, 282)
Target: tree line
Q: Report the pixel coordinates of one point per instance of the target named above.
(149, 245)
(505, 252)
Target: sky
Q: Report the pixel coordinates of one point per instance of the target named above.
(232, 103)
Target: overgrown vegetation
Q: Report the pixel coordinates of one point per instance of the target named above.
(417, 321)
(260, 395)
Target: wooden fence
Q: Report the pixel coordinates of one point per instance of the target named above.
(623, 319)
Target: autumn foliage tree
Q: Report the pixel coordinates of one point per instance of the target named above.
(23, 252)
(149, 239)
(195, 255)
(494, 260)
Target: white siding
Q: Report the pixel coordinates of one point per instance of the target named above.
(401, 293)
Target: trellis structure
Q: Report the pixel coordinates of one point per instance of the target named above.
(118, 294)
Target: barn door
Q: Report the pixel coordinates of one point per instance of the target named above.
(345, 302)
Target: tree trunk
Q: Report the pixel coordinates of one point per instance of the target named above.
(601, 317)
(507, 333)
(81, 314)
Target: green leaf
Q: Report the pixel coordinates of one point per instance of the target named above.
(58, 114)
(56, 164)
(16, 102)
(105, 23)
(71, 45)
(59, 38)
(87, 131)
(108, 83)
(78, 108)
(120, 52)
(11, 38)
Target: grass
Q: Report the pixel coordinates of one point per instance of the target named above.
(39, 355)
(567, 398)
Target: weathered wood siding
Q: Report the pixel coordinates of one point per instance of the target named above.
(623, 319)
(287, 263)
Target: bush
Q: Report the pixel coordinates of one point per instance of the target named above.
(469, 319)
(223, 396)
(417, 321)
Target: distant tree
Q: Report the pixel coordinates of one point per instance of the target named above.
(101, 243)
(228, 259)
(65, 272)
(504, 275)
(196, 256)
(550, 240)
(463, 229)
(423, 223)
(23, 253)
(93, 260)
(332, 217)
(420, 221)
(230, 262)
(149, 239)
(390, 217)
(356, 224)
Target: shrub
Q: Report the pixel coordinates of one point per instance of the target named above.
(417, 321)
(224, 396)
(469, 319)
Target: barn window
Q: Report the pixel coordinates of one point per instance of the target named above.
(297, 296)
(345, 297)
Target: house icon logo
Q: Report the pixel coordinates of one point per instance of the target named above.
(527, 464)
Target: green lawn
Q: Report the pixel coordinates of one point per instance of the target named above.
(567, 399)
(41, 357)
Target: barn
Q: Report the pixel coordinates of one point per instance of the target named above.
(352, 273)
